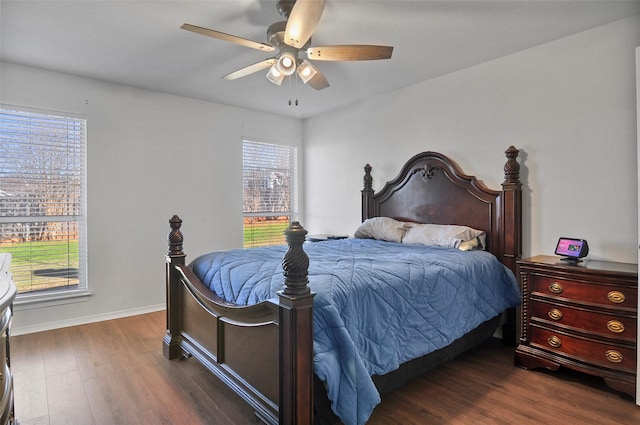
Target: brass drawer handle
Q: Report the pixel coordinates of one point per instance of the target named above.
(614, 356)
(555, 314)
(615, 326)
(616, 297)
(556, 288)
(554, 341)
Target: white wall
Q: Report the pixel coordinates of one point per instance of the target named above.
(150, 155)
(568, 105)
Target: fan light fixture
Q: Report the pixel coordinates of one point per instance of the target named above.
(306, 71)
(286, 63)
(275, 76)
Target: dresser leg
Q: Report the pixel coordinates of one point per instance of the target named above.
(626, 387)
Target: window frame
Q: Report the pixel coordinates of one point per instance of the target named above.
(60, 294)
(292, 179)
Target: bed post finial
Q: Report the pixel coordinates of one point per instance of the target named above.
(368, 180)
(175, 237)
(295, 262)
(511, 168)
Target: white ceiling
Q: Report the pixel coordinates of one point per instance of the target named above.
(140, 43)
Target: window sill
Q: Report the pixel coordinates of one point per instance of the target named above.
(27, 302)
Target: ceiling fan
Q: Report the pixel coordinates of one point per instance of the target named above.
(289, 39)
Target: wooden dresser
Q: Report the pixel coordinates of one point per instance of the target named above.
(582, 316)
(7, 295)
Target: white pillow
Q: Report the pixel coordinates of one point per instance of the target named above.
(449, 235)
(382, 228)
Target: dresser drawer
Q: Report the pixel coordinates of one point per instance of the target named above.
(602, 323)
(585, 350)
(591, 293)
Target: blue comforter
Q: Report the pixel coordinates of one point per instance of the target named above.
(378, 304)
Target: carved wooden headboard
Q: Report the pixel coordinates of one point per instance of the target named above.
(431, 188)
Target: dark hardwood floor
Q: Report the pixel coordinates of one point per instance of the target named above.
(114, 373)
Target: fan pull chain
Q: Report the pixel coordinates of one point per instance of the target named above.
(296, 90)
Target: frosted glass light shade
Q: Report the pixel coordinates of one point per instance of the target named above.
(275, 76)
(306, 71)
(286, 63)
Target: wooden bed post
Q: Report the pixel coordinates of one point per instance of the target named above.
(296, 333)
(511, 221)
(175, 256)
(367, 193)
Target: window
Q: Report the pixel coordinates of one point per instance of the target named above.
(42, 200)
(269, 185)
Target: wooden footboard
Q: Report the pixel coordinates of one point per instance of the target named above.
(263, 352)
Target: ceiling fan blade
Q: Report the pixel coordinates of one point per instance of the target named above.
(302, 22)
(228, 37)
(319, 81)
(243, 72)
(349, 52)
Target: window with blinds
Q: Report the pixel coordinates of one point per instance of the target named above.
(269, 186)
(42, 200)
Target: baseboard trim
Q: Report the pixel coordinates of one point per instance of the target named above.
(23, 330)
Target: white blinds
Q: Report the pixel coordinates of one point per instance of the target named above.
(269, 184)
(42, 199)
(269, 178)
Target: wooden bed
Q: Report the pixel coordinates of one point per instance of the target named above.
(264, 352)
